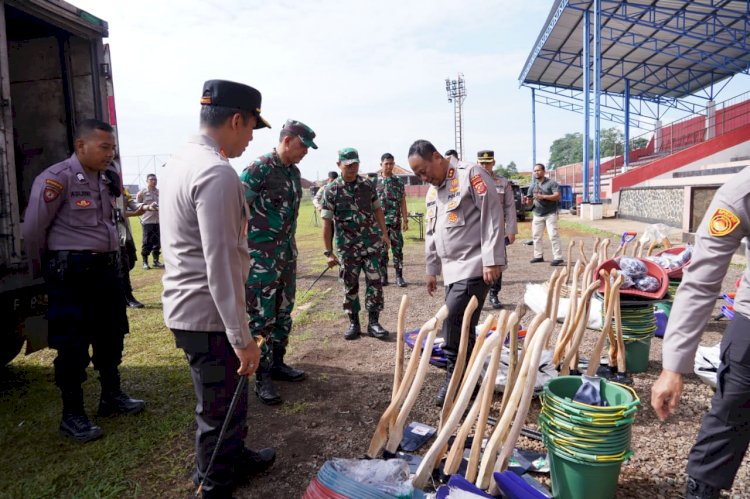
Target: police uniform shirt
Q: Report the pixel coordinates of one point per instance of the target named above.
(147, 197)
(70, 208)
(720, 234)
(508, 200)
(204, 243)
(464, 224)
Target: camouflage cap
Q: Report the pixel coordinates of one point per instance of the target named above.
(348, 155)
(235, 95)
(304, 132)
(486, 156)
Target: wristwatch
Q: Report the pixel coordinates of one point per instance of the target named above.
(327, 253)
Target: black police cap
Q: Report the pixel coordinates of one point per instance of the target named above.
(235, 95)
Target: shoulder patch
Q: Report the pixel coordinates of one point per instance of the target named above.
(722, 222)
(54, 183)
(50, 194)
(478, 184)
(451, 172)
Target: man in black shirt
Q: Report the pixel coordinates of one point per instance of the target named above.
(544, 193)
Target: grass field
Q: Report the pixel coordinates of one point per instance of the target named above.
(139, 456)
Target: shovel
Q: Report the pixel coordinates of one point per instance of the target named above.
(590, 389)
(626, 238)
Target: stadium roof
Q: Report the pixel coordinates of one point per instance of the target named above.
(667, 49)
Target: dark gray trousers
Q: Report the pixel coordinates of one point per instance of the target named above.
(213, 367)
(725, 432)
(457, 296)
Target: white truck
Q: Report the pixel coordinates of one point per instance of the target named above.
(54, 72)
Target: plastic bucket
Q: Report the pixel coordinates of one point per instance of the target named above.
(621, 399)
(636, 355)
(574, 479)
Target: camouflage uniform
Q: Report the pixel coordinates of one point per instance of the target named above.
(391, 191)
(358, 239)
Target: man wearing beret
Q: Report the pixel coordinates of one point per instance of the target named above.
(486, 159)
(352, 210)
(204, 241)
(273, 192)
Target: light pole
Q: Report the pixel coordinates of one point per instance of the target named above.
(456, 90)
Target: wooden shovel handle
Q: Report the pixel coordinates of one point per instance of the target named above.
(458, 368)
(579, 327)
(400, 325)
(595, 359)
(605, 249)
(621, 367)
(571, 243)
(582, 251)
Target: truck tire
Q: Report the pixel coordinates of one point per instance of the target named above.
(11, 345)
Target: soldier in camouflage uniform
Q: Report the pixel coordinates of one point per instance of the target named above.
(352, 210)
(273, 192)
(392, 196)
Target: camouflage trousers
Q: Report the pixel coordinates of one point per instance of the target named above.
(351, 266)
(269, 293)
(397, 247)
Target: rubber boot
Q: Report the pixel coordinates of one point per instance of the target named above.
(264, 388)
(443, 390)
(132, 302)
(75, 425)
(114, 400)
(400, 278)
(374, 328)
(699, 490)
(384, 276)
(354, 328)
(495, 301)
(282, 372)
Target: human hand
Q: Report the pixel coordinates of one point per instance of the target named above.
(332, 261)
(511, 238)
(249, 358)
(665, 394)
(386, 240)
(492, 273)
(406, 225)
(431, 284)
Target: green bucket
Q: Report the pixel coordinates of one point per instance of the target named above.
(574, 479)
(636, 355)
(560, 391)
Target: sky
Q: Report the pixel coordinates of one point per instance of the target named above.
(363, 74)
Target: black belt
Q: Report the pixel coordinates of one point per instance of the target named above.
(94, 257)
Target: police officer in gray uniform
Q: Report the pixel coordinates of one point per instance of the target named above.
(204, 240)
(71, 237)
(725, 432)
(464, 239)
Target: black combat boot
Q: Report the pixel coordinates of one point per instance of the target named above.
(400, 278)
(282, 372)
(145, 262)
(495, 301)
(443, 390)
(374, 328)
(384, 276)
(264, 388)
(132, 302)
(75, 424)
(700, 490)
(114, 400)
(157, 263)
(252, 462)
(354, 328)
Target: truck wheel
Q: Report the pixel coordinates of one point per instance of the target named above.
(11, 345)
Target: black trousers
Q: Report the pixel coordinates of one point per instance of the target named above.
(213, 367)
(86, 308)
(127, 261)
(151, 241)
(457, 297)
(725, 432)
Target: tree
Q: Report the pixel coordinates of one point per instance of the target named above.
(638, 143)
(611, 142)
(566, 150)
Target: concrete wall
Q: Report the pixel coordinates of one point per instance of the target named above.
(652, 205)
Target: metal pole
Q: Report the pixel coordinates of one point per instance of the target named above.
(533, 128)
(597, 97)
(586, 104)
(626, 153)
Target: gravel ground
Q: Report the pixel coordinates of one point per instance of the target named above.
(334, 412)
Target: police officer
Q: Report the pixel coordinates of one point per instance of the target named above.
(204, 237)
(128, 254)
(464, 239)
(504, 189)
(149, 199)
(392, 196)
(723, 438)
(318, 197)
(352, 210)
(273, 192)
(71, 237)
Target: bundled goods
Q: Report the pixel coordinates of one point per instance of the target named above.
(587, 444)
(361, 479)
(673, 260)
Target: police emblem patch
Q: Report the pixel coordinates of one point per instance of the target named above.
(83, 203)
(478, 184)
(722, 222)
(50, 194)
(452, 217)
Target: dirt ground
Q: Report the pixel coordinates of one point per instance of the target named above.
(333, 413)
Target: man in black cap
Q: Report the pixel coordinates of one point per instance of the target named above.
(204, 241)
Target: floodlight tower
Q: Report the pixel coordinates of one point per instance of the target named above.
(456, 90)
